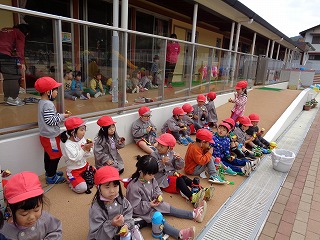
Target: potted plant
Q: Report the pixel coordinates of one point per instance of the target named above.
(307, 106)
(314, 102)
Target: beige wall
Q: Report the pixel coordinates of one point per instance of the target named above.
(6, 17)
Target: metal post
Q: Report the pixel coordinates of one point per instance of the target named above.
(235, 53)
(58, 60)
(228, 67)
(124, 52)
(193, 39)
(115, 52)
(268, 46)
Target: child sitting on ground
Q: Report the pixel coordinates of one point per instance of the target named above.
(200, 111)
(106, 145)
(146, 198)
(77, 88)
(132, 85)
(96, 88)
(221, 150)
(146, 81)
(253, 131)
(168, 178)
(67, 77)
(110, 214)
(177, 127)
(26, 217)
(192, 126)
(144, 131)
(212, 112)
(241, 137)
(199, 158)
(76, 149)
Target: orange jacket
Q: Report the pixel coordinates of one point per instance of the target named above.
(195, 156)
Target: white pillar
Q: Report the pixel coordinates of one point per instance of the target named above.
(267, 52)
(115, 52)
(271, 51)
(278, 52)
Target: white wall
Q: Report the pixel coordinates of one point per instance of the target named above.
(23, 152)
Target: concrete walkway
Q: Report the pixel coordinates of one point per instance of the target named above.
(296, 211)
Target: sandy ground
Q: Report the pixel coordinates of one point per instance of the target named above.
(72, 209)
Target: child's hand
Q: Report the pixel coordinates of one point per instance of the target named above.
(149, 129)
(109, 162)
(195, 117)
(5, 173)
(118, 220)
(176, 155)
(121, 140)
(87, 147)
(165, 159)
(123, 231)
(154, 203)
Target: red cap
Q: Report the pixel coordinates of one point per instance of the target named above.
(106, 174)
(105, 121)
(204, 135)
(178, 111)
(201, 98)
(187, 107)
(244, 120)
(46, 84)
(227, 125)
(254, 117)
(167, 139)
(212, 95)
(22, 186)
(241, 84)
(144, 110)
(74, 122)
(230, 121)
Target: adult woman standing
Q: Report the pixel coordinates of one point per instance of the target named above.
(173, 50)
(12, 42)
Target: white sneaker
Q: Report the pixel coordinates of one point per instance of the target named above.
(15, 102)
(134, 90)
(74, 98)
(83, 97)
(88, 95)
(98, 94)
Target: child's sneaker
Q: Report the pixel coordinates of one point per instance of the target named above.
(74, 98)
(88, 95)
(208, 195)
(216, 179)
(198, 197)
(200, 211)
(229, 171)
(246, 170)
(187, 233)
(56, 179)
(183, 141)
(189, 139)
(265, 151)
(255, 164)
(83, 97)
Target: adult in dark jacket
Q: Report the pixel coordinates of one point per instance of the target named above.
(12, 42)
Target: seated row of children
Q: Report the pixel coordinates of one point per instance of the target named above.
(74, 89)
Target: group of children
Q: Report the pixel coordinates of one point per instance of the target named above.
(112, 215)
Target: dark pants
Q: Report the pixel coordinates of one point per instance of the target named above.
(169, 71)
(183, 183)
(50, 165)
(11, 75)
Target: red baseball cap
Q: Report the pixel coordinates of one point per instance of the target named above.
(241, 84)
(167, 139)
(105, 121)
(74, 122)
(144, 110)
(227, 125)
(44, 84)
(244, 120)
(230, 121)
(254, 117)
(22, 186)
(212, 95)
(201, 98)
(187, 107)
(204, 135)
(106, 174)
(178, 111)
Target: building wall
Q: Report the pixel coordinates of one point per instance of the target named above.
(6, 17)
